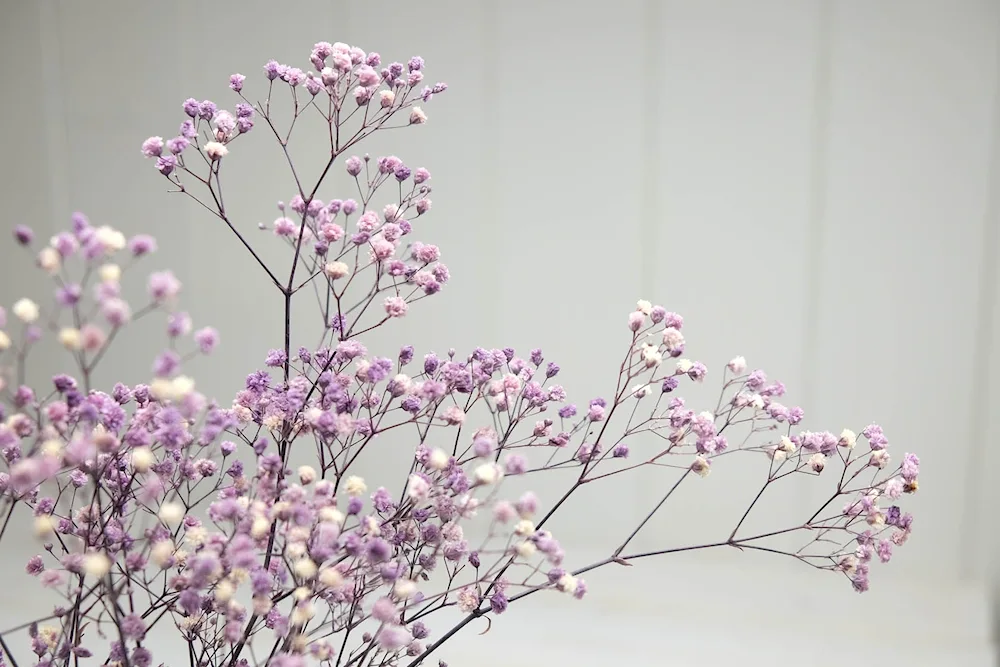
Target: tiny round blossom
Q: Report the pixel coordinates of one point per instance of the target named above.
(355, 486)
(417, 116)
(848, 439)
(152, 147)
(439, 459)
(96, 564)
(206, 339)
(111, 239)
(49, 260)
(737, 365)
(396, 306)
(216, 151)
(701, 466)
(307, 475)
(171, 513)
(488, 473)
(142, 459)
(336, 270)
(110, 273)
(26, 310)
(70, 338)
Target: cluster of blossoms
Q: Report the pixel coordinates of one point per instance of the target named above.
(155, 506)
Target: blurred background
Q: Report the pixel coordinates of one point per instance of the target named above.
(813, 184)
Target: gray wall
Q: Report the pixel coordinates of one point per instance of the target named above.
(812, 183)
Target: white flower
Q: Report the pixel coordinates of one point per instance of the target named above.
(161, 552)
(673, 339)
(50, 260)
(195, 535)
(488, 473)
(417, 116)
(4, 341)
(439, 459)
(52, 448)
(404, 589)
(171, 513)
(701, 466)
(526, 549)
(50, 634)
(110, 273)
(331, 577)
(174, 389)
(737, 365)
(109, 237)
(848, 439)
(26, 310)
(468, 600)
(302, 613)
(260, 527)
(567, 583)
(224, 591)
(640, 391)
(70, 338)
(305, 568)
(142, 459)
(242, 413)
(684, 365)
(524, 528)
(817, 462)
(307, 475)
(355, 486)
(651, 355)
(418, 488)
(879, 458)
(786, 445)
(44, 526)
(332, 515)
(336, 270)
(643, 306)
(386, 98)
(96, 564)
(215, 150)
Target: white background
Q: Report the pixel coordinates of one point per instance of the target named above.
(812, 183)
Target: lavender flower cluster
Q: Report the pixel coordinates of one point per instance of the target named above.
(156, 507)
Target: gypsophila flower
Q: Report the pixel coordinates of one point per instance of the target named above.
(215, 150)
(244, 525)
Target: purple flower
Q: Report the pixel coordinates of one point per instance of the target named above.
(34, 566)
(498, 602)
(276, 358)
(206, 338)
(354, 165)
(133, 627)
(23, 235)
(152, 147)
(910, 468)
(378, 550)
